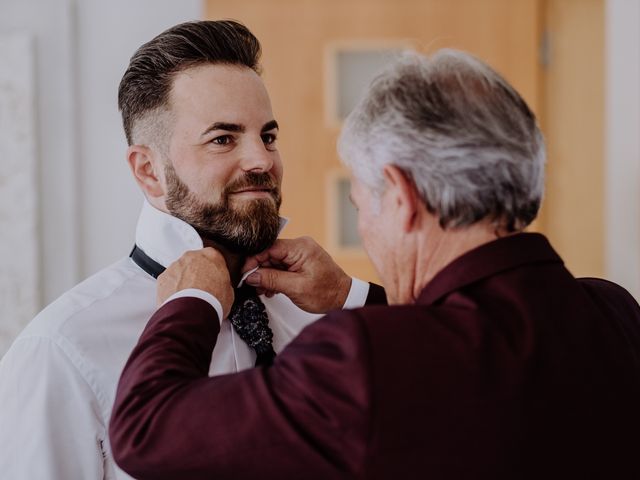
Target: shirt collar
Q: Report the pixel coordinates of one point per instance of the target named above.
(166, 238)
(487, 260)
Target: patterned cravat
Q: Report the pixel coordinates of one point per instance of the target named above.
(248, 315)
(249, 319)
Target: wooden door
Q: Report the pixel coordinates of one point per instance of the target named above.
(296, 36)
(573, 123)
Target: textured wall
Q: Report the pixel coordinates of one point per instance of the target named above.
(86, 203)
(18, 193)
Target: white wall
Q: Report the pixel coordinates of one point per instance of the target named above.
(19, 246)
(88, 200)
(49, 24)
(108, 34)
(622, 93)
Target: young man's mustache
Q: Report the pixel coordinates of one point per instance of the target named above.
(262, 181)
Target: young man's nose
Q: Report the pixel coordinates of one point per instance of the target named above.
(257, 158)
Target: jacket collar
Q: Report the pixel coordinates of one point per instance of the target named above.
(487, 260)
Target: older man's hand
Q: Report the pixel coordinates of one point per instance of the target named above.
(303, 271)
(203, 269)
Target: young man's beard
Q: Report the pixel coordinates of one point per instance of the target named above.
(246, 229)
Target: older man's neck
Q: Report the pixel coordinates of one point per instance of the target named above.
(441, 247)
(234, 261)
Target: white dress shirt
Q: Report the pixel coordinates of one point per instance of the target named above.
(58, 380)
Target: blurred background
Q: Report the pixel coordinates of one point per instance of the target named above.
(68, 204)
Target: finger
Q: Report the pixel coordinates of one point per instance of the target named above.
(263, 260)
(249, 264)
(291, 253)
(266, 255)
(279, 252)
(275, 280)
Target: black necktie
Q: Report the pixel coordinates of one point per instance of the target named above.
(249, 318)
(248, 315)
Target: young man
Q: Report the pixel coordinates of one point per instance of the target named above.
(203, 149)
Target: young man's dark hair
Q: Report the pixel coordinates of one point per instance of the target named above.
(147, 81)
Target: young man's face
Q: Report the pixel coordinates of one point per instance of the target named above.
(224, 172)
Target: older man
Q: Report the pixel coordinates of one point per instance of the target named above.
(203, 149)
(491, 361)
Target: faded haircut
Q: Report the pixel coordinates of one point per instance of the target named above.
(143, 95)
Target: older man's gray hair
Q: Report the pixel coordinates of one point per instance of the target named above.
(459, 130)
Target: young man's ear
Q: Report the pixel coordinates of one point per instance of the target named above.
(403, 195)
(146, 167)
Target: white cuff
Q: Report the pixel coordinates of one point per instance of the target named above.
(201, 294)
(357, 294)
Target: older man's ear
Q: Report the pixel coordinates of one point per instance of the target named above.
(403, 197)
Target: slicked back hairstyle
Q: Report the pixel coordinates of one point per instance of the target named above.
(145, 86)
(465, 137)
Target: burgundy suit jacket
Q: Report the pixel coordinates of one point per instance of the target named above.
(506, 367)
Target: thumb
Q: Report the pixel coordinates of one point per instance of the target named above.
(249, 264)
(275, 280)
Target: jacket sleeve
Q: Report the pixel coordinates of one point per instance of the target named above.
(304, 417)
(51, 427)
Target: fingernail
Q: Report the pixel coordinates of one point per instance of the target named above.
(253, 279)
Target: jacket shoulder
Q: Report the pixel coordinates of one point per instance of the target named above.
(610, 296)
(618, 307)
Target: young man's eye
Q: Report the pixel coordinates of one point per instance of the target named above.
(222, 140)
(269, 138)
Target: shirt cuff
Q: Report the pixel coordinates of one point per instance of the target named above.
(357, 294)
(201, 294)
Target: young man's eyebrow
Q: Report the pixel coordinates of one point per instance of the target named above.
(270, 126)
(228, 127)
